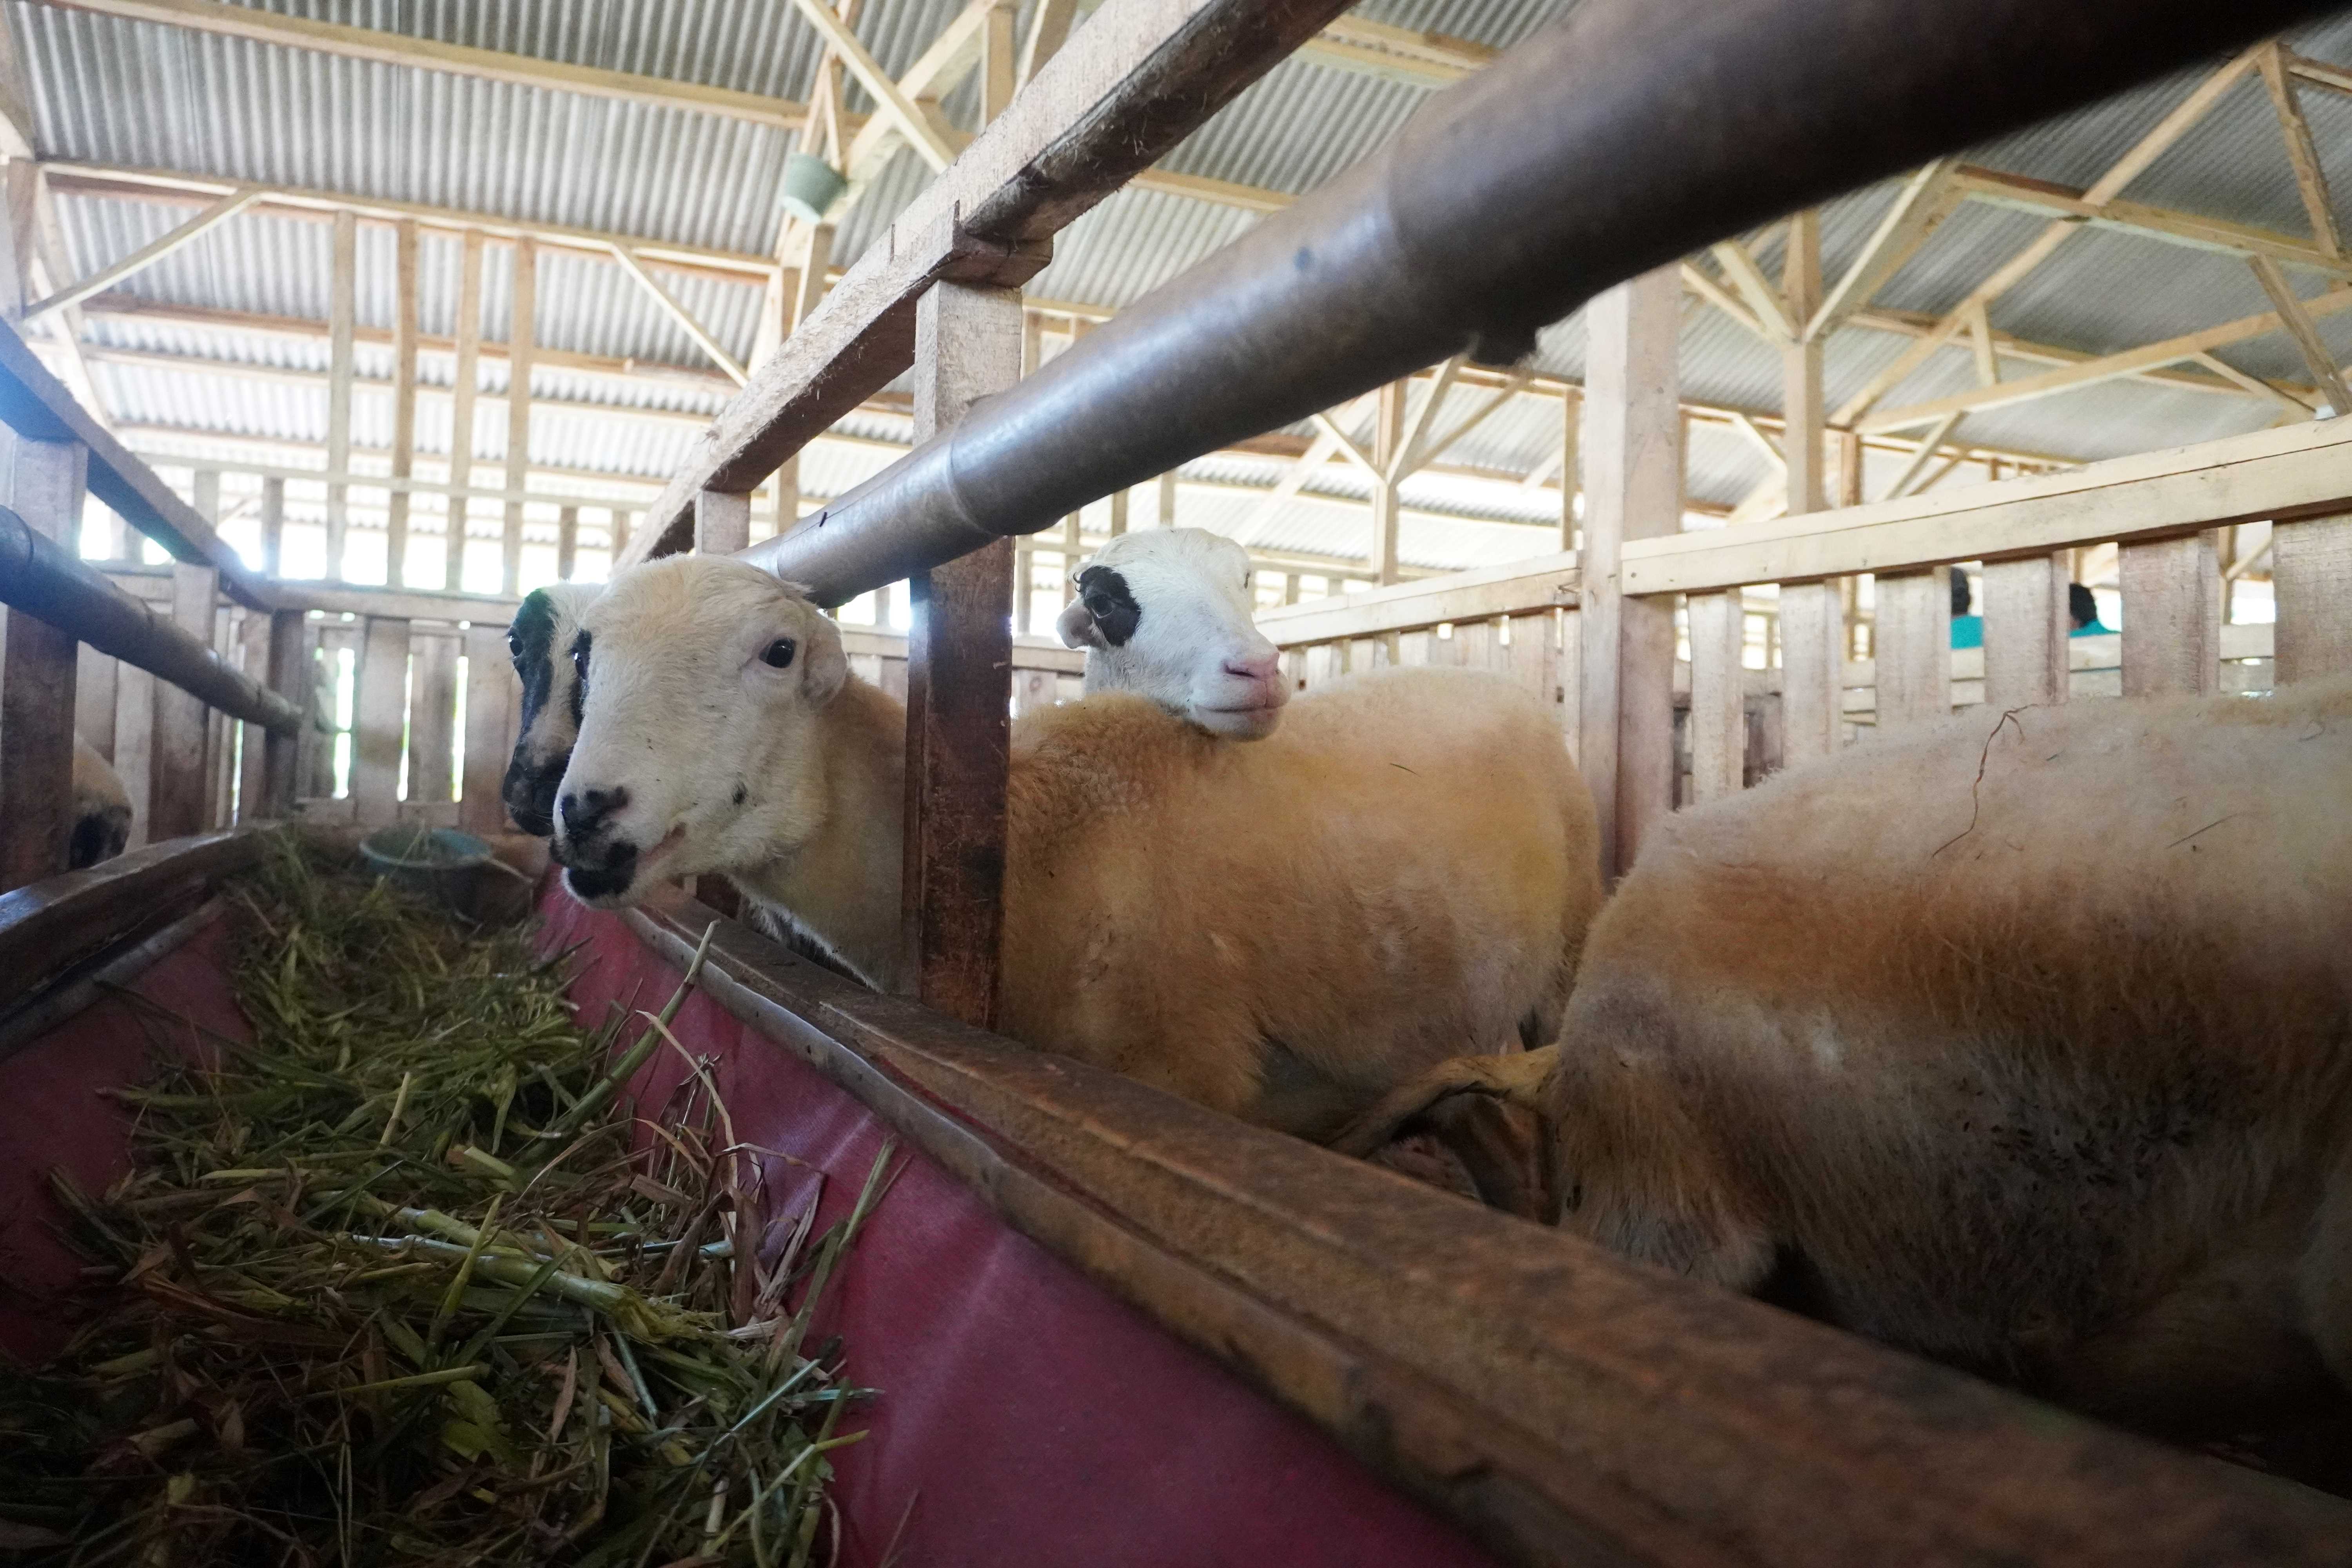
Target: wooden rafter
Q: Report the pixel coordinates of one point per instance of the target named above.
(264, 27)
(2168, 225)
(1762, 298)
(1436, 447)
(1701, 282)
(2289, 401)
(1919, 208)
(938, 70)
(146, 256)
(1765, 444)
(2171, 351)
(634, 266)
(921, 130)
(2302, 152)
(2294, 316)
(1425, 415)
(1926, 454)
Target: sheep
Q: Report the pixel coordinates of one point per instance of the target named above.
(1168, 613)
(1280, 930)
(101, 809)
(540, 639)
(2024, 1042)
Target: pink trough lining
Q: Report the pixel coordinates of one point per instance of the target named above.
(1025, 1418)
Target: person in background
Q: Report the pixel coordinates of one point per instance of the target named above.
(2082, 609)
(1967, 629)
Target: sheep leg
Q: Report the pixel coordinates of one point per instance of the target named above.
(1504, 1147)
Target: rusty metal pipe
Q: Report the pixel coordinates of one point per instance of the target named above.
(1628, 134)
(38, 577)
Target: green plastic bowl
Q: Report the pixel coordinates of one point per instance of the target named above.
(811, 186)
(440, 863)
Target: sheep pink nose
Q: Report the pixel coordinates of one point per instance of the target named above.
(1261, 667)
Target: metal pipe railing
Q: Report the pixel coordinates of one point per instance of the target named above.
(1630, 134)
(38, 577)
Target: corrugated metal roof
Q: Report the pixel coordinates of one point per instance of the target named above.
(109, 91)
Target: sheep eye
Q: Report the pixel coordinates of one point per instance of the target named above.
(777, 655)
(579, 662)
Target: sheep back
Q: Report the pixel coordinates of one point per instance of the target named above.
(1284, 928)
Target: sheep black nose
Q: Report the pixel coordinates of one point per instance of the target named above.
(587, 810)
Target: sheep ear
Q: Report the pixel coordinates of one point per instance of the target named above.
(1076, 626)
(824, 669)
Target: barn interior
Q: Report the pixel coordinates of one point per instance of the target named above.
(369, 320)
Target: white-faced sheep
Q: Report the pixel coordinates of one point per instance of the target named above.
(540, 640)
(1167, 614)
(1281, 930)
(2022, 1042)
(101, 809)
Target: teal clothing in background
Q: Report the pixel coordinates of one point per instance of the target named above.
(1967, 631)
(2093, 630)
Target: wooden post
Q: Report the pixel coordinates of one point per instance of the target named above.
(343, 318)
(95, 677)
(522, 341)
(289, 676)
(1632, 489)
(2025, 627)
(205, 495)
(959, 684)
(464, 386)
(273, 527)
(1166, 514)
(432, 718)
(1388, 437)
(2173, 616)
(567, 541)
(722, 523)
(252, 759)
(1800, 368)
(379, 706)
(2311, 572)
(404, 402)
(490, 694)
(1571, 421)
(1117, 512)
(1718, 720)
(1914, 647)
(178, 761)
(620, 519)
(44, 482)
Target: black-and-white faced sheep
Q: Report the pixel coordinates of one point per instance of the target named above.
(1167, 614)
(540, 639)
(101, 809)
(2024, 1042)
(1281, 930)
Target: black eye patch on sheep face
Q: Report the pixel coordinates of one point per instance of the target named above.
(528, 640)
(1106, 597)
(580, 647)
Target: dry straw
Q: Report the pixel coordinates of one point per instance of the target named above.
(396, 1284)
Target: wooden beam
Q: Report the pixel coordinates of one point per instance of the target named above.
(1633, 489)
(1387, 454)
(454, 59)
(1800, 365)
(1049, 26)
(39, 407)
(938, 70)
(464, 387)
(959, 686)
(2291, 472)
(1919, 208)
(342, 318)
(634, 267)
(1913, 647)
(305, 203)
(2288, 401)
(147, 255)
(2172, 351)
(2173, 616)
(2025, 631)
(1429, 450)
(895, 104)
(2295, 316)
(492, 694)
(1703, 283)
(179, 760)
(2311, 574)
(404, 402)
(1763, 299)
(1416, 432)
(2166, 224)
(42, 482)
(2310, 178)
(522, 337)
(1395, 53)
(379, 710)
(1089, 121)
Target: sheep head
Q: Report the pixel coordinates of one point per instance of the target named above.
(539, 641)
(1166, 613)
(703, 681)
